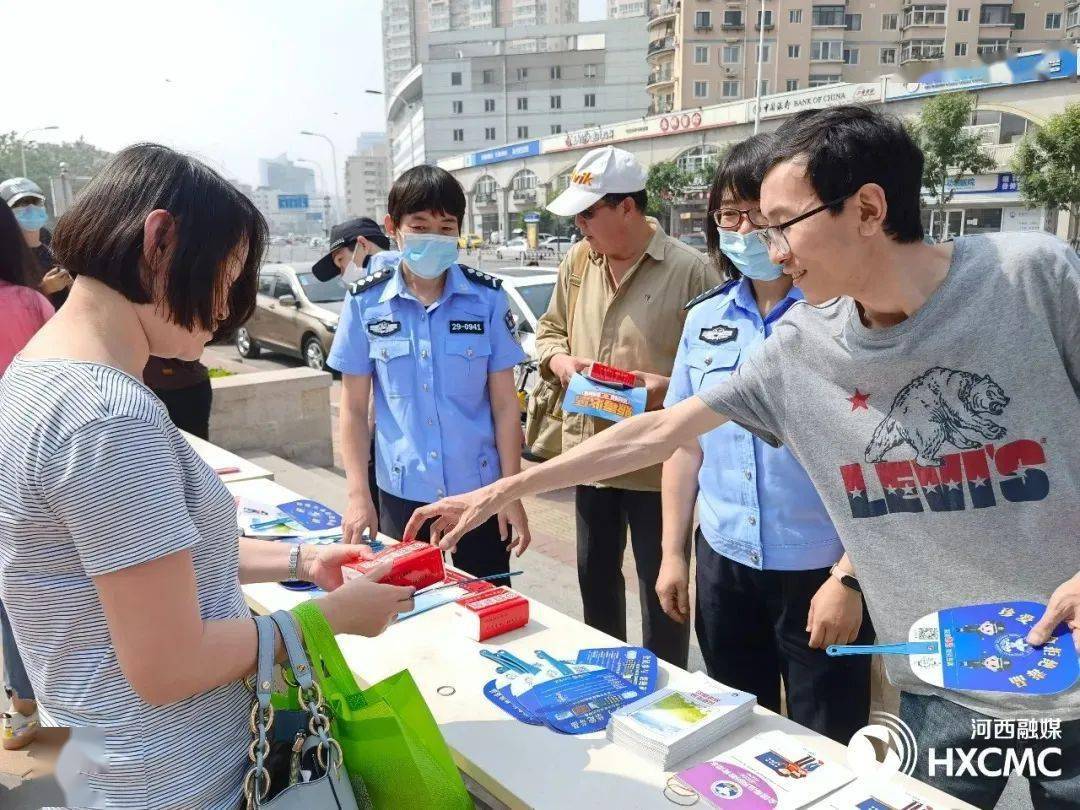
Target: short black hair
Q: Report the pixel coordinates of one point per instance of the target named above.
(640, 198)
(740, 173)
(426, 188)
(17, 264)
(101, 236)
(847, 147)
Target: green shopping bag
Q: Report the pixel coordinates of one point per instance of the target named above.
(387, 733)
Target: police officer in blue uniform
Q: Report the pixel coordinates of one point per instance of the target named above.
(773, 587)
(437, 341)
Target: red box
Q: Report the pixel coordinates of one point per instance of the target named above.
(609, 375)
(492, 613)
(417, 564)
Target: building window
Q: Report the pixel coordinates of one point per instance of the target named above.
(793, 51)
(459, 107)
(795, 15)
(488, 76)
(829, 50)
(1073, 18)
(1053, 21)
(703, 21)
(733, 18)
(523, 132)
(701, 54)
(822, 79)
(987, 46)
(489, 105)
(766, 54)
(701, 89)
(764, 89)
(963, 15)
(827, 15)
(792, 84)
(768, 19)
(853, 22)
(994, 15)
(922, 49)
(887, 56)
(556, 129)
(522, 74)
(1018, 21)
(851, 56)
(459, 135)
(455, 79)
(556, 102)
(925, 15)
(522, 103)
(590, 99)
(556, 71)
(731, 54)
(590, 71)
(960, 49)
(889, 22)
(489, 133)
(729, 89)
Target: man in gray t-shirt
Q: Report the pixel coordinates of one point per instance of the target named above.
(932, 393)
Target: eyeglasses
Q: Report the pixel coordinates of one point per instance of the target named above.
(594, 209)
(773, 236)
(731, 218)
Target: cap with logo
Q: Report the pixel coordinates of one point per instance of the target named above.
(344, 235)
(16, 189)
(602, 171)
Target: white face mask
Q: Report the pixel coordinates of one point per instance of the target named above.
(352, 273)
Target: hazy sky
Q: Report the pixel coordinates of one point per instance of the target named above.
(228, 81)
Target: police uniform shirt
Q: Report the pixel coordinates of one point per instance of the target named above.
(756, 504)
(429, 367)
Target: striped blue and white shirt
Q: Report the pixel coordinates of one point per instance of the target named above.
(94, 478)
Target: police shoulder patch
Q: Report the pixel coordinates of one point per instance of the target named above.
(480, 277)
(369, 281)
(719, 289)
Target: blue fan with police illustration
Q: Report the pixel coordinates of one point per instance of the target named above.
(983, 648)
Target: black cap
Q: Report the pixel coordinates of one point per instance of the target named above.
(344, 235)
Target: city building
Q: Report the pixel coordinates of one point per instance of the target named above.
(367, 177)
(292, 213)
(282, 174)
(482, 88)
(620, 9)
(702, 52)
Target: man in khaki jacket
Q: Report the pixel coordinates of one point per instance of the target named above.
(634, 283)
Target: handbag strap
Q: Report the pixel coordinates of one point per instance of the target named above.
(257, 780)
(294, 648)
(575, 288)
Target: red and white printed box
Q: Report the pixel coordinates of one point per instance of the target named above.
(609, 375)
(417, 564)
(492, 613)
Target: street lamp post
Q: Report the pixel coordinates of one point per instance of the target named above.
(22, 142)
(760, 54)
(333, 160)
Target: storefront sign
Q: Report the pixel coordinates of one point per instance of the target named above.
(1031, 67)
(512, 152)
(831, 96)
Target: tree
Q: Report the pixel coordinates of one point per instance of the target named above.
(950, 152)
(664, 183)
(1047, 164)
(43, 159)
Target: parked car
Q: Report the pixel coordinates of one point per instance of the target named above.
(470, 241)
(513, 249)
(694, 240)
(558, 245)
(295, 314)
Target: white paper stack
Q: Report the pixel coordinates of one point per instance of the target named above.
(673, 723)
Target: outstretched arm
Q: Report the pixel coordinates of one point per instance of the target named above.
(630, 445)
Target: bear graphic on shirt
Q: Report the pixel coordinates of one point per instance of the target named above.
(941, 406)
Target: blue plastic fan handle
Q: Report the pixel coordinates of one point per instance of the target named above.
(907, 648)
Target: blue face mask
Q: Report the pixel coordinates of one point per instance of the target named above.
(749, 255)
(429, 254)
(31, 217)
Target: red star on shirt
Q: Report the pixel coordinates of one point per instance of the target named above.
(858, 401)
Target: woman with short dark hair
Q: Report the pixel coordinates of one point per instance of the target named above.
(119, 559)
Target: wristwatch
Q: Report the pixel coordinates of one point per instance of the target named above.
(845, 579)
(294, 561)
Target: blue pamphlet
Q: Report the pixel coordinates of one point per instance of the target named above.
(312, 515)
(635, 664)
(596, 399)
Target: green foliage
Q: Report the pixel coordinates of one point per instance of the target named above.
(1047, 164)
(664, 183)
(948, 149)
(43, 160)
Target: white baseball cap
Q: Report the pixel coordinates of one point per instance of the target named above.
(602, 171)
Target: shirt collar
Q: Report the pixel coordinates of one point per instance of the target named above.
(658, 244)
(744, 299)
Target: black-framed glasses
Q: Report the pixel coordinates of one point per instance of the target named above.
(773, 235)
(731, 218)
